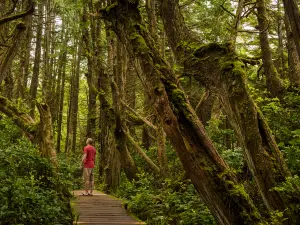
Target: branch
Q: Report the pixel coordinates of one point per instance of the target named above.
(12, 8)
(249, 11)
(21, 119)
(226, 10)
(255, 32)
(137, 115)
(141, 152)
(17, 16)
(204, 95)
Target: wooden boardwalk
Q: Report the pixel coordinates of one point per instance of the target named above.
(101, 209)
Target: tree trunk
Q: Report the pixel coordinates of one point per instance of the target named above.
(237, 21)
(274, 84)
(280, 41)
(117, 87)
(24, 60)
(12, 51)
(39, 133)
(37, 59)
(93, 48)
(109, 158)
(293, 58)
(209, 173)
(61, 106)
(46, 90)
(216, 68)
(69, 135)
(161, 150)
(60, 89)
(75, 94)
(151, 11)
(205, 108)
(292, 12)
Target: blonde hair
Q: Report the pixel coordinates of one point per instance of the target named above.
(89, 141)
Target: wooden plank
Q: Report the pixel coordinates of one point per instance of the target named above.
(101, 209)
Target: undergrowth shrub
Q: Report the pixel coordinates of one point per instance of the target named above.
(165, 201)
(32, 191)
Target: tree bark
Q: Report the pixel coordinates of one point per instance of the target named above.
(117, 87)
(293, 58)
(216, 67)
(161, 150)
(74, 112)
(207, 170)
(9, 18)
(292, 12)
(92, 46)
(274, 84)
(237, 21)
(37, 59)
(39, 133)
(109, 157)
(12, 51)
(22, 79)
(280, 41)
(69, 135)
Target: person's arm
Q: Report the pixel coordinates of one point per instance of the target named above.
(83, 158)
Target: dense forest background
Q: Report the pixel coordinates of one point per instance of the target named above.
(193, 106)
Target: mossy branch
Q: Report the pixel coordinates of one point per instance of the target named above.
(21, 119)
(148, 123)
(140, 151)
(29, 11)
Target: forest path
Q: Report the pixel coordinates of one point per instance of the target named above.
(101, 209)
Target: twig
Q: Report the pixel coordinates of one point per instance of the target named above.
(226, 10)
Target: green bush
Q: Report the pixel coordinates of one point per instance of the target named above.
(165, 201)
(32, 191)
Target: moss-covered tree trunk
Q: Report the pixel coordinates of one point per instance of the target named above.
(92, 40)
(25, 60)
(217, 67)
(75, 93)
(292, 12)
(37, 59)
(40, 133)
(212, 178)
(117, 87)
(274, 84)
(161, 150)
(10, 54)
(109, 157)
(293, 58)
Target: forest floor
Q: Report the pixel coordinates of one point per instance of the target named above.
(100, 209)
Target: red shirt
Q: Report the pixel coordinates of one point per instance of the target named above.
(90, 152)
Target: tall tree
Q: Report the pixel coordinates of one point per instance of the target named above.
(274, 84)
(181, 124)
(37, 59)
(292, 12)
(227, 76)
(293, 58)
